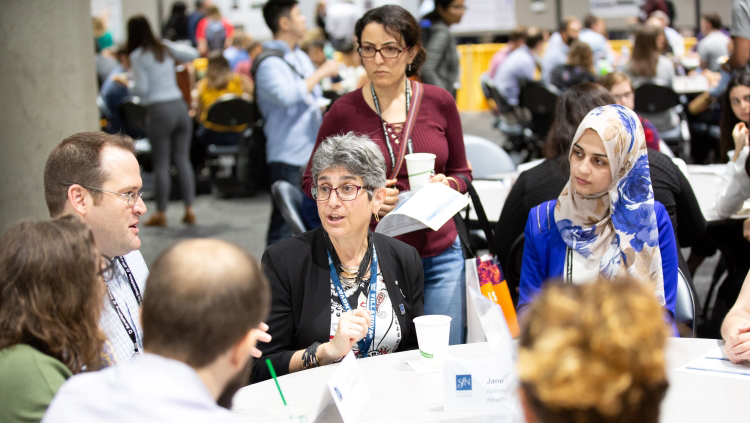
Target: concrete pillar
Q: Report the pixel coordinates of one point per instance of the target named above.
(48, 92)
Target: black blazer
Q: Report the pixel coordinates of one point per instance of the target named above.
(297, 270)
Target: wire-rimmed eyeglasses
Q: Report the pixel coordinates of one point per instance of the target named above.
(132, 197)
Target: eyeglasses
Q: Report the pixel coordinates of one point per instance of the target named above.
(387, 52)
(623, 96)
(108, 268)
(132, 197)
(458, 7)
(346, 192)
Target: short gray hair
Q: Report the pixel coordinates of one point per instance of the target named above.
(355, 153)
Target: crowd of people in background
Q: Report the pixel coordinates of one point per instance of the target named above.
(332, 112)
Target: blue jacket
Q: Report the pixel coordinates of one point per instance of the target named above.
(544, 254)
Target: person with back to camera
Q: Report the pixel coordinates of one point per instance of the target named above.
(202, 305)
(168, 125)
(593, 353)
(325, 282)
(605, 222)
(391, 50)
(441, 66)
(578, 69)
(545, 181)
(51, 296)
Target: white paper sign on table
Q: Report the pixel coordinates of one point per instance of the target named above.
(485, 384)
(349, 389)
(716, 363)
(430, 207)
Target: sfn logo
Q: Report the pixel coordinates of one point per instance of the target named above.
(463, 382)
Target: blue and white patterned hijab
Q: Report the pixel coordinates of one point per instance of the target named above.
(617, 227)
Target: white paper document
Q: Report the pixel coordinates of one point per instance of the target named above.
(349, 389)
(430, 207)
(716, 363)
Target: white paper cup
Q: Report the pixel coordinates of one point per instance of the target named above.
(419, 167)
(433, 333)
(293, 412)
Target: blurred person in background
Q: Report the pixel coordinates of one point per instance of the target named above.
(441, 68)
(516, 39)
(648, 65)
(558, 46)
(237, 51)
(115, 90)
(219, 81)
(51, 294)
(579, 68)
(621, 87)
(340, 18)
(168, 125)
(176, 28)
(714, 43)
(520, 66)
(245, 67)
(594, 33)
(101, 34)
(674, 39)
(213, 32)
(593, 353)
(201, 8)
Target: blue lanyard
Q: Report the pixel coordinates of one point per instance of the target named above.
(364, 344)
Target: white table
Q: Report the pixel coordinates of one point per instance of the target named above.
(705, 180)
(399, 394)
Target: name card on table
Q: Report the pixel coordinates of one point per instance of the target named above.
(485, 384)
(349, 389)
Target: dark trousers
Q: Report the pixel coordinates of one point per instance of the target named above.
(278, 230)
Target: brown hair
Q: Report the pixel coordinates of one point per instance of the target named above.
(400, 24)
(572, 106)
(593, 353)
(50, 291)
(580, 55)
(78, 160)
(140, 35)
(713, 19)
(219, 73)
(518, 33)
(611, 79)
(202, 297)
(645, 51)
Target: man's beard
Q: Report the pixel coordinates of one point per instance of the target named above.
(240, 380)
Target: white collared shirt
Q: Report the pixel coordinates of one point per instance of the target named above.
(151, 388)
(123, 293)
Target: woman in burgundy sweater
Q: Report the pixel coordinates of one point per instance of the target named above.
(391, 49)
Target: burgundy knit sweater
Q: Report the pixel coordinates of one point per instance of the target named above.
(437, 131)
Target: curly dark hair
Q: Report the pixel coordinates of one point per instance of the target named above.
(51, 292)
(400, 24)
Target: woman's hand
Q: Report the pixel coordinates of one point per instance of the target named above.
(737, 347)
(440, 178)
(352, 327)
(391, 198)
(739, 134)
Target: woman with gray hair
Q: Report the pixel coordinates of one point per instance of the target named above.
(340, 287)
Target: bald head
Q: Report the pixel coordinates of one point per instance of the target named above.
(202, 297)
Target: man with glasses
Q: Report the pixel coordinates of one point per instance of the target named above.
(95, 176)
(289, 98)
(621, 87)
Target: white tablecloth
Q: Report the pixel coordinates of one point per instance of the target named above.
(399, 394)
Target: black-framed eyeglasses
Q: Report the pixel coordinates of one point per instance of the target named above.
(346, 192)
(132, 197)
(387, 52)
(107, 268)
